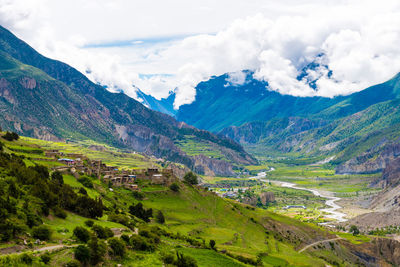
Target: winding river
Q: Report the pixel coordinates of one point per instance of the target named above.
(332, 211)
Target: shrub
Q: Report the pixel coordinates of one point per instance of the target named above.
(117, 247)
(138, 211)
(212, 243)
(27, 259)
(125, 238)
(140, 243)
(73, 263)
(1, 146)
(97, 249)
(82, 191)
(89, 223)
(138, 195)
(41, 232)
(185, 261)
(354, 230)
(168, 258)
(57, 177)
(174, 187)
(10, 136)
(82, 234)
(82, 254)
(102, 232)
(86, 181)
(33, 220)
(45, 258)
(59, 212)
(160, 217)
(119, 218)
(191, 178)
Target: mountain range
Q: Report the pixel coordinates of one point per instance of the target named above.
(351, 131)
(48, 99)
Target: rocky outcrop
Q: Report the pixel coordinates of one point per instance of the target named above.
(211, 167)
(372, 161)
(28, 82)
(391, 173)
(267, 197)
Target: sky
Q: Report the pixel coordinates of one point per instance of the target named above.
(171, 45)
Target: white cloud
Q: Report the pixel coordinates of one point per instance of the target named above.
(358, 38)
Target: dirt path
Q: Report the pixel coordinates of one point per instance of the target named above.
(42, 249)
(319, 242)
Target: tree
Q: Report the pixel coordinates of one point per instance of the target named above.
(45, 258)
(41, 232)
(57, 177)
(212, 243)
(102, 232)
(174, 187)
(138, 211)
(160, 217)
(10, 136)
(117, 247)
(1, 146)
(185, 261)
(86, 181)
(82, 254)
(354, 230)
(191, 178)
(89, 223)
(82, 234)
(97, 250)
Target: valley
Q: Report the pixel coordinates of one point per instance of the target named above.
(243, 174)
(244, 234)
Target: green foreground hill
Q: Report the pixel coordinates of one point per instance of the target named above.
(33, 199)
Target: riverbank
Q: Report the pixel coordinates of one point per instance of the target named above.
(331, 200)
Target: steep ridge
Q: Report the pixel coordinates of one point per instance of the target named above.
(48, 99)
(220, 104)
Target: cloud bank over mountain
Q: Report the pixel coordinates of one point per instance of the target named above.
(355, 42)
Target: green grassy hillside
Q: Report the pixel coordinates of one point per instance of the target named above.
(193, 216)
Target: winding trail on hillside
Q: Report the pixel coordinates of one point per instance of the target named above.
(319, 242)
(41, 249)
(330, 202)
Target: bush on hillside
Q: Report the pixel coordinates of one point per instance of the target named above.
(57, 177)
(160, 217)
(185, 261)
(11, 136)
(82, 234)
(191, 178)
(140, 212)
(97, 249)
(140, 243)
(82, 254)
(86, 181)
(174, 187)
(89, 223)
(60, 213)
(102, 232)
(41, 232)
(117, 247)
(45, 258)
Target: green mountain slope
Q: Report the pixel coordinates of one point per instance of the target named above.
(32, 199)
(219, 105)
(48, 99)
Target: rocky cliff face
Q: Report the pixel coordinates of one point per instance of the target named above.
(372, 161)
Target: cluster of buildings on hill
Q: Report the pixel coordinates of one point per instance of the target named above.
(79, 164)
